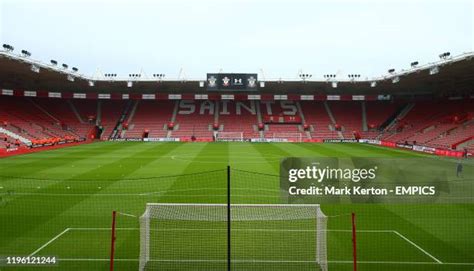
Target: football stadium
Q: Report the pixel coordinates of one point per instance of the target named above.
(351, 149)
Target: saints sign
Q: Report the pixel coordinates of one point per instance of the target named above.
(232, 81)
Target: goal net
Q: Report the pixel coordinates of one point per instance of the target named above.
(230, 136)
(261, 237)
(287, 137)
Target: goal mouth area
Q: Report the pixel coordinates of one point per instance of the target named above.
(187, 236)
(229, 136)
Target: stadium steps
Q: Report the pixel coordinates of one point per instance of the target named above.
(328, 111)
(333, 120)
(259, 118)
(117, 122)
(300, 111)
(169, 133)
(44, 111)
(98, 119)
(129, 118)
(119, 127)
(365, 128)
(67, 121)
(55, 129)
(131, 115)
(175, 111)
(216, 113)
(394, 121)
(76, 113)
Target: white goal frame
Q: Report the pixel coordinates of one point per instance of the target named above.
(321, 228)
(287, 137)
(230, 136)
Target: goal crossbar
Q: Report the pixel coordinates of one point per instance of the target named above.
(236, 205)
(290, 136)
(229, 136)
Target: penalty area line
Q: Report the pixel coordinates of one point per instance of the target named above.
(49, 242)
(417, 246)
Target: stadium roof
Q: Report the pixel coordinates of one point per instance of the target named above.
(447, 77)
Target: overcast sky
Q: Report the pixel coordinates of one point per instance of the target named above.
(279, 37)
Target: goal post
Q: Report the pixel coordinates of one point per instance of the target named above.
(287, 137)
(263, 237)
(229, 136)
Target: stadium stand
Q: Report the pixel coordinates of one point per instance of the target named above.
(348, 115)
(438, 124)
(431, 121)
(110, 114)
(378, 113)
(24, 117)
(231, 121)
(318, 119)
(65, 114)
(151, 116)
(194, 118)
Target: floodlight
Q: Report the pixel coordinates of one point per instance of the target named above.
(25, 53)
(8, 47)
(444, 55)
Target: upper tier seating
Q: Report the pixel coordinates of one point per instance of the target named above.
(152, 116)
(245, 122)
(111, 112)
(315, 115)
(348, 115)
(428, 121)
(29, 120)
(197, 119)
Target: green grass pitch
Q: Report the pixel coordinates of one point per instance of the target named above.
(59, 203)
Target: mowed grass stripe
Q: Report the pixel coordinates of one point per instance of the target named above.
(431, 227)
(35, 168)
(48, 222)
(214, 182)
(266, 149)
(246, 156)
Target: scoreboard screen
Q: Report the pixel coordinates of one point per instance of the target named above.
(232, 81)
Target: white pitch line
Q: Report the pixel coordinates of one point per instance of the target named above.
(267, 261)
(49, 242)
(395, 262)
(264, 230)
(418, 247)
(269, 230)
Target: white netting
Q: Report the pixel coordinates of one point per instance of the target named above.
(289, 137)
(230, 136)
(263, 237)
